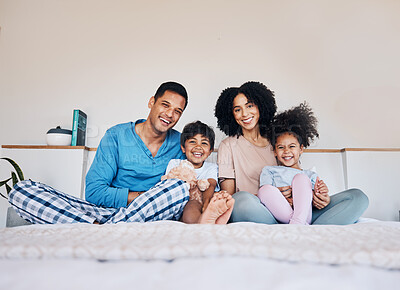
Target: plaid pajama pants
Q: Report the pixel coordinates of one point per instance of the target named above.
(42, 204)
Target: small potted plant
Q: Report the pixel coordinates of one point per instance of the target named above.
(13, 219)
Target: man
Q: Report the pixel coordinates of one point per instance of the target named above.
(123, 181)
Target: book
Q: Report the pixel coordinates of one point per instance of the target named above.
(79, 128)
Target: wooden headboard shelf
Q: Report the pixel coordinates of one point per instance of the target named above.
(310, 150)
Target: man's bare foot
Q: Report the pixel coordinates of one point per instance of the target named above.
(215, 209)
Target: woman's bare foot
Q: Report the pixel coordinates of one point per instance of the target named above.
(217, 208)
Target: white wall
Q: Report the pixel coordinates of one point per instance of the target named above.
(377, 174)
(108, 57)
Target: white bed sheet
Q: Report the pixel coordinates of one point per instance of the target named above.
(192, 273)
(172, 255)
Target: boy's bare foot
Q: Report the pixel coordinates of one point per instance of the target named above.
(223, 219)
(217, 207)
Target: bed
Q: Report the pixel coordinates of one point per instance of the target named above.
(173, 255)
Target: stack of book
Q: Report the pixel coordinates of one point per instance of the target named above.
(79, 128)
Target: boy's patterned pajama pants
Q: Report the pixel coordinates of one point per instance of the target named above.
(42, 204)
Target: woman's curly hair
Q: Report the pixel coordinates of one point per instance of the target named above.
(298, 121)
(256, 93)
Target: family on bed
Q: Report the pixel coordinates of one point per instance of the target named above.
(147, 171)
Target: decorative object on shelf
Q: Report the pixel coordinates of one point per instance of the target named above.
(16, 177)
(79, 128)
(58, 137)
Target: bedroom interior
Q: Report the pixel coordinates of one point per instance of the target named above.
(107, 58)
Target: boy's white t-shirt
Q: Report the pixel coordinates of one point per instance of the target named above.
(208, 170)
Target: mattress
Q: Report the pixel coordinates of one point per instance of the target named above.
(173, 255)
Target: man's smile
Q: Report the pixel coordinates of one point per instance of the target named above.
(165, 121)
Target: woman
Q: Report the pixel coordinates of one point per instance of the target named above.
(244, 114)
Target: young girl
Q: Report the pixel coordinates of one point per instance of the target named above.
(291, 131)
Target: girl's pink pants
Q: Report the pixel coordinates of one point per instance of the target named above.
(277, 204)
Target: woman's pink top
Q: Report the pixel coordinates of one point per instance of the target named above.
(243, 161)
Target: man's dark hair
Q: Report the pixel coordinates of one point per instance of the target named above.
(197, 127)
(256, 93)
(172, 87)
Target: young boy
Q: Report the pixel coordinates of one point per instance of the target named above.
(197, 142)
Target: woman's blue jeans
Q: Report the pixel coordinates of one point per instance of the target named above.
(345, 208)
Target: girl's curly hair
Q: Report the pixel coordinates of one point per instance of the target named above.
(256, 93)
(298, 121)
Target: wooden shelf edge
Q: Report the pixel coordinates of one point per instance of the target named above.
(42, 147)
(373, 149)
(352, 150)
(314, 150)
(310, 150)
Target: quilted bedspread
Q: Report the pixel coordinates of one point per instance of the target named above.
(374, 244)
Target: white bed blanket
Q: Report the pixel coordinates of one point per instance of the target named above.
(231, 273)
(371, 244)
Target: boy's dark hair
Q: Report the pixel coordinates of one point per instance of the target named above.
(256, 93)
(298, 121)
(197, 127)
(173, 87)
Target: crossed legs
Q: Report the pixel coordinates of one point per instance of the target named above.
(39, 203)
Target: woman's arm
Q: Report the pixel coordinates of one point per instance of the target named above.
(229, 185)
(226, 168)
